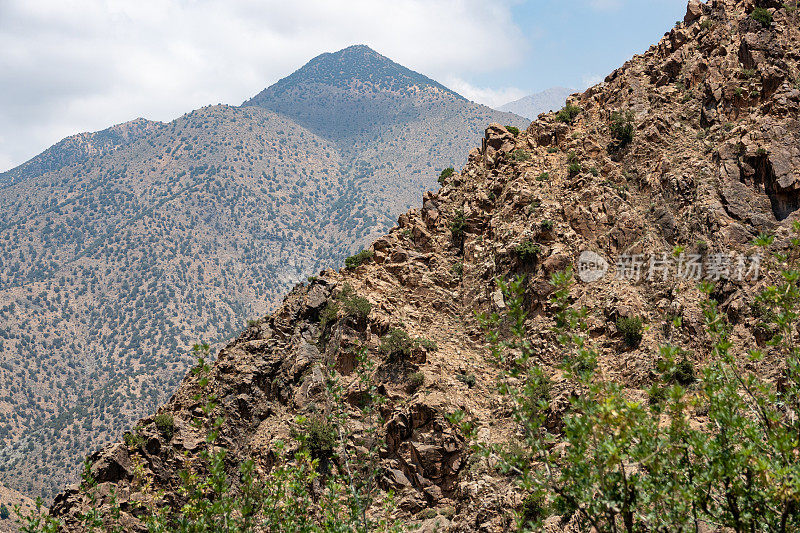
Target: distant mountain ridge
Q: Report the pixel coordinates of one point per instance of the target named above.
(121, 248)
(79, 147)
(533, 105)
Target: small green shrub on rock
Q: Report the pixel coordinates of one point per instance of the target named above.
(165, 423)
(622, 126)
(457, 227)
(631, 329)
(446, 173)
(568, 113)
(354, 261)
(762, 16)
(528, 251)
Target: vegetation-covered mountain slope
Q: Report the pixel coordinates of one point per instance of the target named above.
(79, 148)
(689, 148)
(120, 249)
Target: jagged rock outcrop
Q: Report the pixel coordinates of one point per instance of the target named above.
(713, 162)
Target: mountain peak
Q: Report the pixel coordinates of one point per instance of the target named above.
(352, 66)
(356, 82)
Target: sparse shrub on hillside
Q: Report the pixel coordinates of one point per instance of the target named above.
(427, 344)
(133, 439)
(622, 126)
(527, 251)
(457, 227)
(631, 329)
(415, 381)
(749, 73)
(165, 423)
(544, 176)
(574, 164)
(355, 261)
(4, 512)
(319, 435)
(568, 113)
(520, 155)
(546, 225)
(762, 16)
(446, 173)
(397, 344)
(355, 306)
(706, 24)
(457, 270)
(533, 509)
(467, 379)
(329, 314)
(513, 130)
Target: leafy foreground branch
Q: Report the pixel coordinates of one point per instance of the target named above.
(719, 453)
(323, 486)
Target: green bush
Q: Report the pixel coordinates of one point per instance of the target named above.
(544, 176)
(546, 225)
(520, 155)
(457, 227)
(574, 164)
(513, 130)
(354, 261)
(631, 329)
(528, 251)
(684, 372)
(533, 508)
(397, 344)
(133, 439)
(320, 437)
(446, 173)
(355, 306)
(4, 512)
(329, 314)
(568, 113)
(706, 24)
(165, 423)
(467, 379)
(457, 270)
(762, 16)
(415, 381)
(622, 126)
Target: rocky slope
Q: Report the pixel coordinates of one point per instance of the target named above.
(714, 161)
(120, 249)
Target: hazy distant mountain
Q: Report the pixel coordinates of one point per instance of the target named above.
(532, 105)
(80, 147)
(121, 248)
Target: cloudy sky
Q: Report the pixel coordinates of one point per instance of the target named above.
(82, 65)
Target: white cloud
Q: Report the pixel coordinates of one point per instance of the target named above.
(80, 65)
(491, 96)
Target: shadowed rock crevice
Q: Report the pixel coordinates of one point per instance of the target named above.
(762, 175)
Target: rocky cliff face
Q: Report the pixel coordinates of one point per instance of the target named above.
(713, 161)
